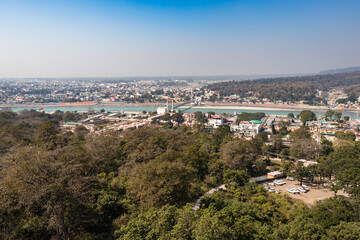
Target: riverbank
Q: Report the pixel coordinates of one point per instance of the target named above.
(234, 107)
(218, 109)
(153, 106)
(275, 106)
(264, 107)
(205, 105)
(93, 104)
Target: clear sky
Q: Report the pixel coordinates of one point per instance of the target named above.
(76, 38)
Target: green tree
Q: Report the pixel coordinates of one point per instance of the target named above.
(349, 136)
(301, 133)
(304, 148)
(277, 143)
(344, 231)
(235, 177)
(326, 147)
(54, 184)
(220, 134)
(47, 134)
(329, 114)
(307, 115)
(338, 115)
(158, 183)
(200, 117)
(263, 136)
(211, 113)
(178, 117)
(244, 116)
(152, 224)
(194, 157)
(81, 130)
(240, 155)
(301, 172)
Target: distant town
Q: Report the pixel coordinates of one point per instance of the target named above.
(300, 92)
(244, 125)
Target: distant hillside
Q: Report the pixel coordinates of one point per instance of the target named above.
(289, 89)
(341, 70)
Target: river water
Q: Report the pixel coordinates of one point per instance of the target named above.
(351, 114)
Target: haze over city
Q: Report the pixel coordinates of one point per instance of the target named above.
(162, 38)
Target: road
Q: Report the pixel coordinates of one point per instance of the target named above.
(208, 193)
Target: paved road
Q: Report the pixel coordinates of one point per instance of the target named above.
(210, 192)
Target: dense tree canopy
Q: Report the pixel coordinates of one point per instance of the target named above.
(244, 116)
(142, 184)
(290, 89)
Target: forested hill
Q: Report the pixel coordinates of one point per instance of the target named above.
(287, 88)
(341, 70)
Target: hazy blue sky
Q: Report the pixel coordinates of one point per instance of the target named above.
(167, 37)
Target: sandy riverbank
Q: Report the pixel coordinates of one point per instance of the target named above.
(205, 105)
(277, 106)
(265, 107)
(118, 104)
(238, 107)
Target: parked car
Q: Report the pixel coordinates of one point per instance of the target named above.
(290, 178)
(305, 187)
(295, 191)
(279, 182)
(271, 190)
(301, 189)
(271, 184)
(292, 190)
(266, 186)
(277, 191)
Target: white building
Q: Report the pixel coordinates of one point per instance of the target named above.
(216, 121)
(246, 129)
(162, 110)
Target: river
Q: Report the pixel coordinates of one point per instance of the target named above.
(217, 110)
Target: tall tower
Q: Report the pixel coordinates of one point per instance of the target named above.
(172, 105)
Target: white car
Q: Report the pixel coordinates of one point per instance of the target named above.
(277, 191)
(301, 189)
(271, 184)
(292, 190)
(295, 191)
(290, 178)
(271, 190)
(279, 182)
(266, 186)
